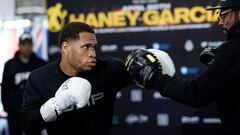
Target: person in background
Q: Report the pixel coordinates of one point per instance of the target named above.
(15, 74)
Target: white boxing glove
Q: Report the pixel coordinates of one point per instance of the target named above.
(165, 60)
(74, 92)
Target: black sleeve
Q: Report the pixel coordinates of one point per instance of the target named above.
(123, 77)
(6, 82)
(205, 88)
(31, 118)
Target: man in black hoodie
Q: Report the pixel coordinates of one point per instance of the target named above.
(15, 74)
(220, 82)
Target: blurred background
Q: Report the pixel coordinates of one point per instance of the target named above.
(181, 28)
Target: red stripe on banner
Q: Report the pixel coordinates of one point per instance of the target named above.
(39, 32)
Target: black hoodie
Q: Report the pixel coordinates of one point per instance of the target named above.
(220, 83)
(106, 79)
(15, 75)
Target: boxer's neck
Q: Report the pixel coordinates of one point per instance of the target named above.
(67, 69)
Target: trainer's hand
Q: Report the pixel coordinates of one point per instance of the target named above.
(168, 66)
(143, 64)
(74, 92)
(207, 55)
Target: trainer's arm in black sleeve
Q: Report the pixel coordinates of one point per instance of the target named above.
(31, 118)
(123, 77)
(204, 89)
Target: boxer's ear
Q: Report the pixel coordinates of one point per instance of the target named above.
(65, 48)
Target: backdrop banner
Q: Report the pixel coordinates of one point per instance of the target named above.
(181, 28)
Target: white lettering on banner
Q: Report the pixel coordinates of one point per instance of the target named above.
(159, 6)
(133, 8)
(19, 77)
(95, 97)
(144, 1)
(153, 28)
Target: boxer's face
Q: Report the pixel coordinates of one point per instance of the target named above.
(227, 19)
(81, 53)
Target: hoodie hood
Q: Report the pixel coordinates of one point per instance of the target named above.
(17, 57)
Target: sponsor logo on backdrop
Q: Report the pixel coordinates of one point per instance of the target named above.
(54, 49)
(162, 119)
(211, 120)
(161, 46)
(136, 95)
(136, 119)
(213, 44)
(198, 120)
(119, 95)
(109, 48)
(115, 119)
(136, 18)
(157, 95)
(133, 47)
(184, 70)
(189, 46)
(190, 120)
(56, 17)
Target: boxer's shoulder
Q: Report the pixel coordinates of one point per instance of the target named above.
(43, 71)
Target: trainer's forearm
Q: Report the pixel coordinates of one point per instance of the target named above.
(184, 91)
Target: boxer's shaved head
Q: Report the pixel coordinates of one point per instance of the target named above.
(71, 31)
